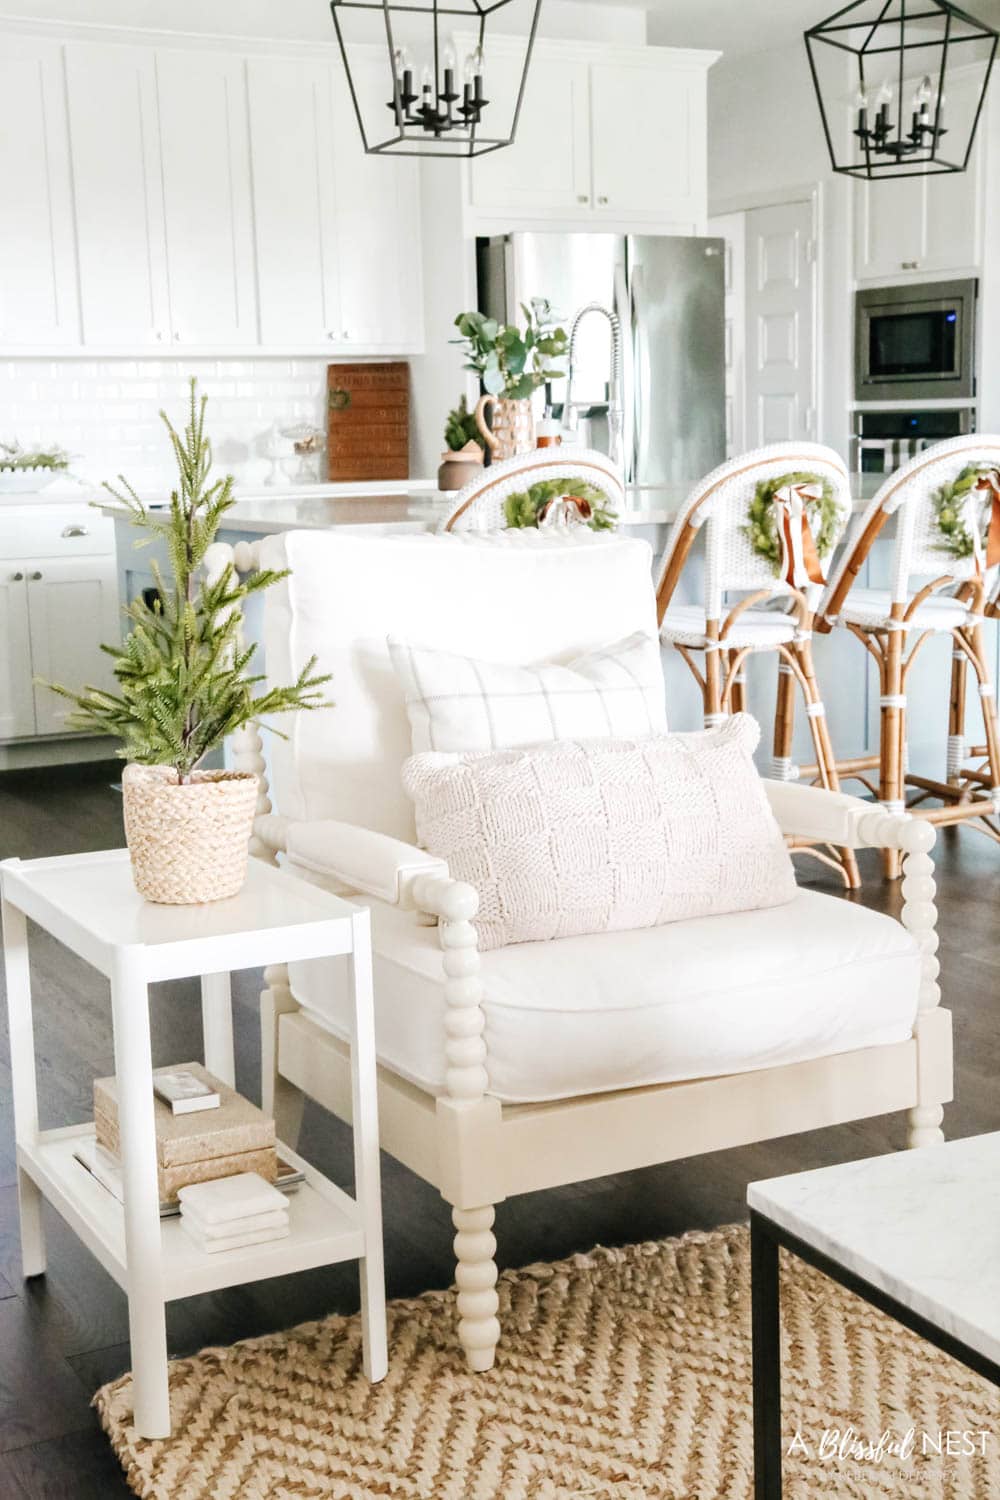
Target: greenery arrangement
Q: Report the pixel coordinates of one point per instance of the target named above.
(949, 511)
(762, 526)
(509, 362)
(460, 428)
(182, 671)
(523, 509)
(13, 456)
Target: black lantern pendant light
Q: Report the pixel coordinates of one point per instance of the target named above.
(425, 77)
(901, 85)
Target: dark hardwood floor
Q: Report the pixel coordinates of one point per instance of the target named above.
(64, 1334)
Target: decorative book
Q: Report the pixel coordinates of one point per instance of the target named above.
(185, 1093)
(236, 1127)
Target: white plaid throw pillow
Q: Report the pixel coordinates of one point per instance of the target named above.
(456, 703)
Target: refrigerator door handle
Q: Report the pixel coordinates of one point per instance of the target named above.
(643, 373)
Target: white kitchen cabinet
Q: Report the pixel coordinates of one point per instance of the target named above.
(17, 707)
(72, 608)
(205, 160)
(546, 172)
(377, 217)
(38, 300)
(118, 193)
(649, 142)
(58, 602)
(337, 231)
(292, 152)
(922, 226)
(605, 134)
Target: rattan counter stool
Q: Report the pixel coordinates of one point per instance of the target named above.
(946, 502)
(481, 504)
(772, 520)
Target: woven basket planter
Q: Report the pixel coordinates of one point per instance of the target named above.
(189, 843)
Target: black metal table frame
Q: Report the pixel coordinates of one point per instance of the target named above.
(766, 1238)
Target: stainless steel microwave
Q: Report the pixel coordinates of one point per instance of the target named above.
(915, 342)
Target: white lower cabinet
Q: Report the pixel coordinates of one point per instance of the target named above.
(17, 704)
(58, 603)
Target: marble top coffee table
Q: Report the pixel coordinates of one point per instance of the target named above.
(916, 1234)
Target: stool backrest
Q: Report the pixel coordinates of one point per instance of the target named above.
(479, 506)
(913, 494)
(722, 502)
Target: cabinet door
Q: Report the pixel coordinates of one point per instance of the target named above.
(292, 154)
(546, 172)
(72, 608)
(118, 194)
(648, 127)
(17, 706)
(889, 221)
(206, 195)
(378, 231)
(38, 302)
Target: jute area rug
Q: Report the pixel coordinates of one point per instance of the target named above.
(623, 1373)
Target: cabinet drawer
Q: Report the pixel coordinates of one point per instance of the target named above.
(76, 531)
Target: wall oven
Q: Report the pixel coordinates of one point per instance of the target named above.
(916, 342)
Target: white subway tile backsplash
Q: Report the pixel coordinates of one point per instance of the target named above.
(106, 412)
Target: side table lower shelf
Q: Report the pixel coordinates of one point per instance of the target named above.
(325, 1223)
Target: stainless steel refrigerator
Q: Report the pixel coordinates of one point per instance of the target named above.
(669, 295)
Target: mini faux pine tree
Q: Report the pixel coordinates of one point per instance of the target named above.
(182, 669)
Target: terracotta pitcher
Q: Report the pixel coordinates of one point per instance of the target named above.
(512, 429)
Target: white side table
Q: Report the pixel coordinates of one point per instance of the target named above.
(90, 904)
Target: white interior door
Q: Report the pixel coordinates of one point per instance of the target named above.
(733, 229)
(72, 608)
(780, 324)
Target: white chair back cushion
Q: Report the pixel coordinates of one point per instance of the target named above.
(723, 499)
(520, 597)
(909, 493)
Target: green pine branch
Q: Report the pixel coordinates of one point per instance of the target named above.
(182, 672)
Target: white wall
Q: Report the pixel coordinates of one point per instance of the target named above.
(765, 139)
(106, 412)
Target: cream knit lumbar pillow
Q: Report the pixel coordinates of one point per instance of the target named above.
(604, 835)
(459, 703)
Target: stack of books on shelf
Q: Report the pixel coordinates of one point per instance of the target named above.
(214, 1133)
(232, 1212)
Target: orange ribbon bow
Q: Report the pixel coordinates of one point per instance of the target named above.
(800, 562)
(990, 480)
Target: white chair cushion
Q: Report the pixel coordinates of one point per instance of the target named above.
(695, 999)
(519, 596)
(459, 703)
(873, 606)
(684, 624)
(604, 835)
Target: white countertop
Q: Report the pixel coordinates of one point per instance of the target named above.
(922, 1226)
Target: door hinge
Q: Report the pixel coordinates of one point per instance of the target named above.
(810, 252)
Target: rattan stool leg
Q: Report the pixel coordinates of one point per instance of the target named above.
(890, 739)
(826, 763)
(784, 723)
(956, 714)
(988, 703)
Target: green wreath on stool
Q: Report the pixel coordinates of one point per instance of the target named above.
(949, 506)
(823, 514)
(522, 510)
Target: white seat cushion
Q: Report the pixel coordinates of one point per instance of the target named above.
(694, 999)
(684, 624)
(873, 606)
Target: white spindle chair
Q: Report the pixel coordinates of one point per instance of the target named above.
(479, 506)
(930, 592)
(729, 625)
